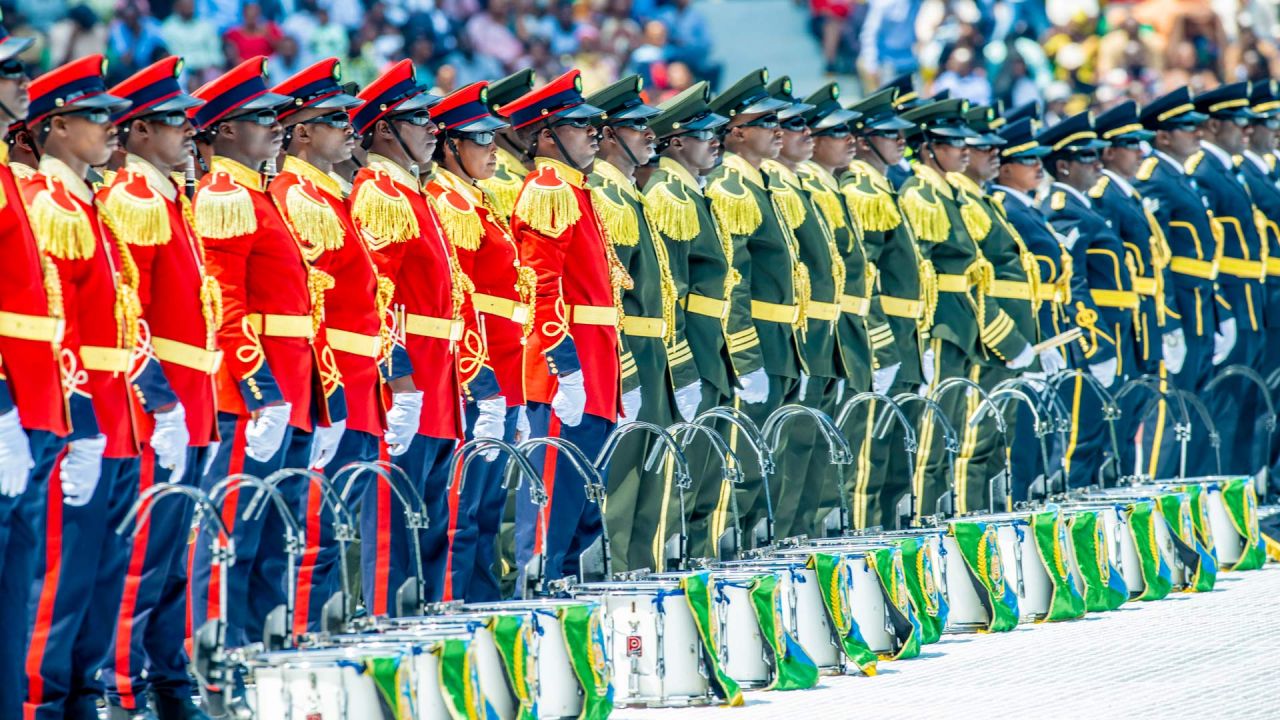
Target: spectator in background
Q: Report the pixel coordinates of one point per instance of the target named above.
(196, 40)
(222, 14)
(546, 66)
(832, 16)
(690, 39)
(619, 32)
(889, 40)
(286, 60)
(254, 35)
(134, 40)
(599, 68)
(1014, 85)
(330, 39)
(422, 51)
(345, 13)
(301, 24)
(489, 30)
(80, 33)
(561, 29)
(470, 66)
(446, 81)
(964, 78)
(678, 78)
(650, 58)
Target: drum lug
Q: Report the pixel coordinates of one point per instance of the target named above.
(675, 553)
(762, 534)
(407, 600)
(833, 524)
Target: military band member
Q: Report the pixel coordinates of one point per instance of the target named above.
(774, 282)
(1257, 163)
(572, 371)
(903, 292)
(181, 306)
(642, 508)
(701, 260)
(513, 161)
(502, 303)
(1105, 313)
(905, 98)
(409, 247)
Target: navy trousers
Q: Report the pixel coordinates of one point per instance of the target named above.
(475, 509)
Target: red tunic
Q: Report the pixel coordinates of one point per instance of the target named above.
(408, 246)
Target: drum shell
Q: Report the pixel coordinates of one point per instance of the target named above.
(804, 615)
(559, 693)
(742, 654)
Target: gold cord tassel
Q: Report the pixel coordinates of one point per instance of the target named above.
(313, 219)
(52, 286)
(527, 287)
(619, 221)
(133, 204)
(63, 232)
(211, 308)
(385, 293)
(548, 209)
(224, 210)
(386, 218)
(928, 292)
(318, 282)
(976, 220)
(667, 283)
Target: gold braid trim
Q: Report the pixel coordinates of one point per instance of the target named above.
(1261, 222)
(211, 308)
(224, 210)
(731, 275)
(461, 286)
(461, 224)
(876, 211)
(675, 218)
(928, 291)
(928, 219)
(737, 213)
(62, 232)
(976, 220)
(52, 286)
(128, 306)
(666, 281)
(547, 204)
(982, 275)
(146, 217)
(387, 218)
(313, 220)
(790, 206)
(318, 281)
(527, 287)
(385, 293)
(621, 226)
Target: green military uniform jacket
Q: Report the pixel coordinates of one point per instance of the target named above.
(775, 284)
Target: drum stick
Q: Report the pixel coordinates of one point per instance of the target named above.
(1057, 341)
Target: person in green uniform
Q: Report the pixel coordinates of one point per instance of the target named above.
(513, 159)
(701, 263)
(637, 500)
(774, 286)
(877, 484)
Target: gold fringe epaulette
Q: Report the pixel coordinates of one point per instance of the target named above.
(928, 218)
(223, 209)
(1147, 168)
(138, 209)
(673, 216)
(828, 203)
(460, 220)
(313, 219)
(61, 227)
(1099, 188)
(875, 210)
(737, 212)
(382, 212)
(790, 207)
(976, 220)
(502, 192)
(1193, 162)
(621, 226)
(547, 203)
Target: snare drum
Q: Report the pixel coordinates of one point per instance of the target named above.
(804, 615)
(654, 642)
(988, 601)
(742, 646)
(1228, 518)
(861, 592)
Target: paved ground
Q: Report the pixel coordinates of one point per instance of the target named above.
(1188, 656)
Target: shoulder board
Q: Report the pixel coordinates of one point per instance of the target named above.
(671, 211)
(313, 219)
(1237, 160)
(1193, 162)
(137, 208)
(827, 202)
(874, 208)
(502, 189)
(547, 203)
(621, 226)
(1100, 187)
(928, 218)
(976, 220)
(1058, 200)
(1270, 160)
(460, 219)
(733, 205)
(1147, 168)
(60, 225)
(787, 200)
(383, 213)
(223, 209)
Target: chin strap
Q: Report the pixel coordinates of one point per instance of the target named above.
(453, 148)
(563, 152)
(413, 166)
(883, 160)
(622, 144)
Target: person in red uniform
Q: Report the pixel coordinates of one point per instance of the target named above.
(180, 308)
(81, 577)
(274, 357)
(499, 320)
(572, 370)
(403, 232)
(318, 135)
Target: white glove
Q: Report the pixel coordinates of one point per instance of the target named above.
(840, 388)
(170, 439)
(15, 456)
(1224, 340)
(210, 455)
(1175, 350)
(524, 430)
(882, 379)
(926, 365)
(264, 433)
(81, 469)
(402, 421)
(688, 398)
(1052, 362)
(804, 384)
(631, 404)
(491, 423)
(754, 387)
(1104, 371)
(1024, 358)
(324, 444)
(570, 400)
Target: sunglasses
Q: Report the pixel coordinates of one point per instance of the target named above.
(479, 138)
(796, 124)
(887, 134)
(768, 122)
(12, 69)
(1270, 123)
(172, 118)
(1126, 144)
(1183, 127)
(838, 133)
(702, 135)
(1084, 158)
(637, 124)
(951, 142)
(97, 116)
(337, 120)
(1028, 160)
(421, 118)
(1239, 121)
(265, 118)
(579, 123)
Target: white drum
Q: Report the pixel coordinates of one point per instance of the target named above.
(1121, 547)
(742, 647)
(1024, 568)
(1228, 542)
(932, 547)
(804, 615)
(654, 643)
(862, 594)
(483, 651)
(967, 609)
(559, 694)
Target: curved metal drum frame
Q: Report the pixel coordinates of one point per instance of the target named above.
(1181, 426)
(880, 427)
(730, 475)
(950, 445)
(838, 448)
(1110, 411)
(534, 570)
(1249, 375)
(730, 542)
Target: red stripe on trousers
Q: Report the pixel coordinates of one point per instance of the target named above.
(213, 603)
(48, 591)
(548, 482)
(455, 500)
(307, 569)
(133, 579)
(382, 560)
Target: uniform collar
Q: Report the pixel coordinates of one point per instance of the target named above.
(737, 163)
(1169, 159)
(787, 174)
(681, 173)
(238, 171)
(52, 167)
(1022, 197)
(878, 179)
(1120, 182)
(4, 153)
(509, 159)
(824, 176)
(394, 169)
(1078, 195)
(451, 181)
(320, 179)
(965, 184)
(1218, 153)
(610, 172)
(1257, 161)
(933, 178)
(571, 175)
(156, 179)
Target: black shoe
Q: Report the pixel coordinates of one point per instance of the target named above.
(171, 708)
(81, 707)
(119, 713)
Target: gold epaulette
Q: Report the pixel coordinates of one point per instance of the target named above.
(676, 217)
(928, 218)
(976, 220)
(1058, 200)
(1099, 187)
(313, 219)
(547, 203)
(875, 209)
(22, 171)
(61, 227)
(382, 212)
(621, 226)
(460, 219)
(502, 191)
(138, 209)
(223, 209)
(827, 202)
(733, 204)
(1193, 162)
(785, 198)
(1147, 168)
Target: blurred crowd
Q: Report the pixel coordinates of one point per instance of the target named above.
(452, 42)
(1069, 53)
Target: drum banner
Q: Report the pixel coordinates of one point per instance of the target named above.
(1156, 573)
(1242, 505)
(1273, 547)
(928, 600)
(833, 580)
(792, 667)
(461, 690)
(981, 551)
(1200, 520)
(1050, 533)
(697, 593)
(395, 690)
(1201, 569)
(888, 565)
(511, 635)
(584, 640)
(1104, 587)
